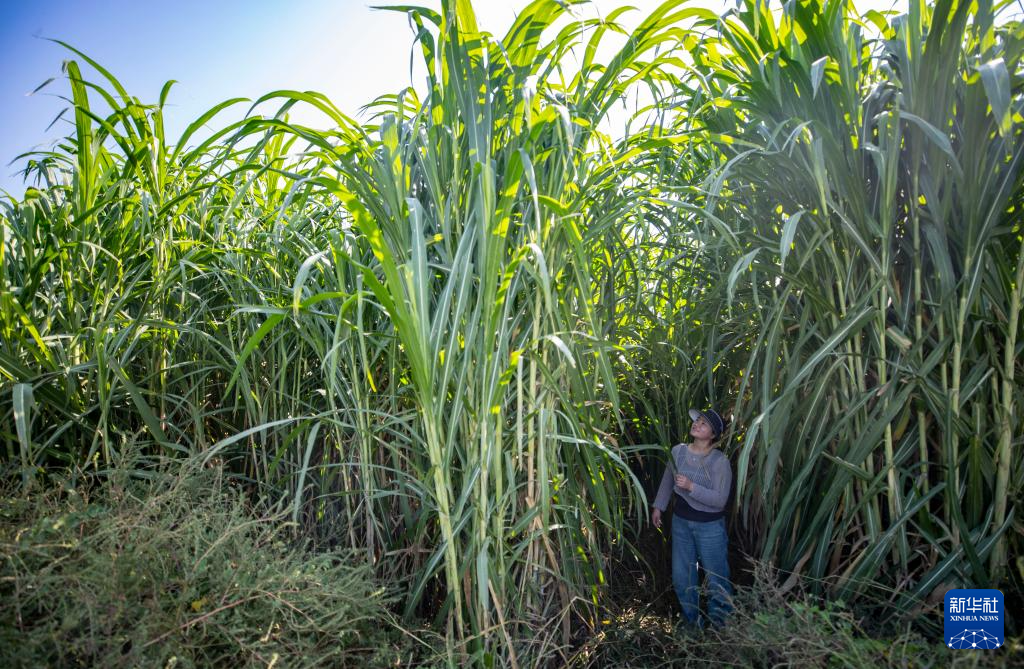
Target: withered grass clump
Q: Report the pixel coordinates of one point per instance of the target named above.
(178, 571)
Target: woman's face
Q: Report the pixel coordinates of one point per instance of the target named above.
(701, 429)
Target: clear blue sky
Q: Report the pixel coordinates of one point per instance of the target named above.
(215, 49)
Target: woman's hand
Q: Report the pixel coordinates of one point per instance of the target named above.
(683, 482)
(656, 517)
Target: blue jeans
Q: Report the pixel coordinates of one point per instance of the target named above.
(695, 542)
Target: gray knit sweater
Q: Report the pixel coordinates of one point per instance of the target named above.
(711, 475)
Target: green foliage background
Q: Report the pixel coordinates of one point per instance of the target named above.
(459, 337)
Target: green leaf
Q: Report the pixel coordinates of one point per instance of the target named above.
(817, 71)
(996, 80)
(740, 266)
(788, 234)
(23, 401)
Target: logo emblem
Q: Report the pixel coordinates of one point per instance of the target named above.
(974, 619)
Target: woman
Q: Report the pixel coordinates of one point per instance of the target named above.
(702, 481)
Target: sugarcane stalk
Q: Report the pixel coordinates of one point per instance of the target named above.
(922, 425)
(1004, 462)
(953, 462)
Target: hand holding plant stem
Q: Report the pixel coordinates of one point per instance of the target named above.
(683, 482)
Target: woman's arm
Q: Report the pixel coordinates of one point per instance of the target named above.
(665, 489)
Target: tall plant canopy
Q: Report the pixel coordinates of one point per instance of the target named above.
(460, 336)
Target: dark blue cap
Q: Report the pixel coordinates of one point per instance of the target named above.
(713, 419)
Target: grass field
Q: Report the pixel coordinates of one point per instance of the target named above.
(453, 342)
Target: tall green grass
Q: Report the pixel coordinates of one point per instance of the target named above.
(445, 336)
(863, 308)
(391, 326)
